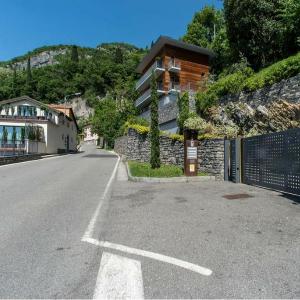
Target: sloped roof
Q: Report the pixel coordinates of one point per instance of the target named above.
(59, 108)
(165, 40)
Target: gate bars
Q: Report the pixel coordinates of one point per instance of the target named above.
(269, 160)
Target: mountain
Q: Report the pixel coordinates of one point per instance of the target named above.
(107, 70)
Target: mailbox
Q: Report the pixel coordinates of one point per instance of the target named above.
(190, 152)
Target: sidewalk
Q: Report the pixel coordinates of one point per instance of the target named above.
(252, 245)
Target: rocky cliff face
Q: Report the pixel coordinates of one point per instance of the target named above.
(81, 108)
(271, 109)
(44, 58)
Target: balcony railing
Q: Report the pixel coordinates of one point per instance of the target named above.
(18, 117)
(145, 98)
(174, 87)
(174, 65)
(157, 67)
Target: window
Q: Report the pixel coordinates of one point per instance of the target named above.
(9, 133)
(27, 111)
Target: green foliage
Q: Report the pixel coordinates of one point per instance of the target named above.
(74, 54)
(204, 27)
(183, 110)
(290, 15)
(95, 74)
(229, 84)
(141, 129)
(138, 169)
(281, 70)
(154, 129)
(256, 30)
(208, 30)
(196, 123)
(176, 137)
(109, 118)
(246, 80)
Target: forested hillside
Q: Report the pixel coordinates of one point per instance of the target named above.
(107, 69)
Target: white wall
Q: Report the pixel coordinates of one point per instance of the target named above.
(55, 131)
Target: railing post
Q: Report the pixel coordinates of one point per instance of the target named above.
(238, 159)
(226, 159)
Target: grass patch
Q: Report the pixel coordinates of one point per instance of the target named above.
(138, 169)
(202, 174)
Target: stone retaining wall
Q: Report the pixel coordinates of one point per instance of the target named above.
(287, 89)
(136, 146)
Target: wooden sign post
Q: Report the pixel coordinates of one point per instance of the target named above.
(190, 152)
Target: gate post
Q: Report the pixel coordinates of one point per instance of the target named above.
(238, 159)
(226, 159)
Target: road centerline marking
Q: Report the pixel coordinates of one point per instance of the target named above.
(155, 256)
(119, 278)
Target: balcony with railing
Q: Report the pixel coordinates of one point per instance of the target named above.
(11, 113)
(174, 65)
(144, 81)
(174, 87)
(145, 97)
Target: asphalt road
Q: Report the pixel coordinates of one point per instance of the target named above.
(145, 240)
(45, 207)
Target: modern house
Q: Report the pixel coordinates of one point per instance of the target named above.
(178, 67)
(30, 126)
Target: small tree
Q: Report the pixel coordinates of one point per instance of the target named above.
(74, 54)
(29, 81)
(154, 128)
(183, 110)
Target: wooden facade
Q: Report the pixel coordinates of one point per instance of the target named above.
(194, 68)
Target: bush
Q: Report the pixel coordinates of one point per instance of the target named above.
(196, 123)
(281, 70)
(229, 84)
(139, 128)
(246, 80)
(183, 110)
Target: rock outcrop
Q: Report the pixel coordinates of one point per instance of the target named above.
(44, 58)
(270, 109)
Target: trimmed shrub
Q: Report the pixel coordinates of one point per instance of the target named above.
(246, 80)
(154, 127)
(183, 110)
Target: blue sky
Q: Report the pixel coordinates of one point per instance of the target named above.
(28, 24)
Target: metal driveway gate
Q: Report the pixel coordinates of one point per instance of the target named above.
(273, 161)
(270, 160)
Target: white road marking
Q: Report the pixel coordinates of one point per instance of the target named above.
(90, 229)
(156, 256)
(119, 278)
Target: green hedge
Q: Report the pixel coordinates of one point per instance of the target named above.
(248, 81)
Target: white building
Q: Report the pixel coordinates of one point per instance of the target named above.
(90, 137)
(47, 128)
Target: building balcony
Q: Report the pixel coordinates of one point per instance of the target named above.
(174, 87)
(145, 98)
(144, 81)
(26, 118)
(174, 65)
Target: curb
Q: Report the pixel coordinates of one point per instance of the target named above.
(169, 179)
